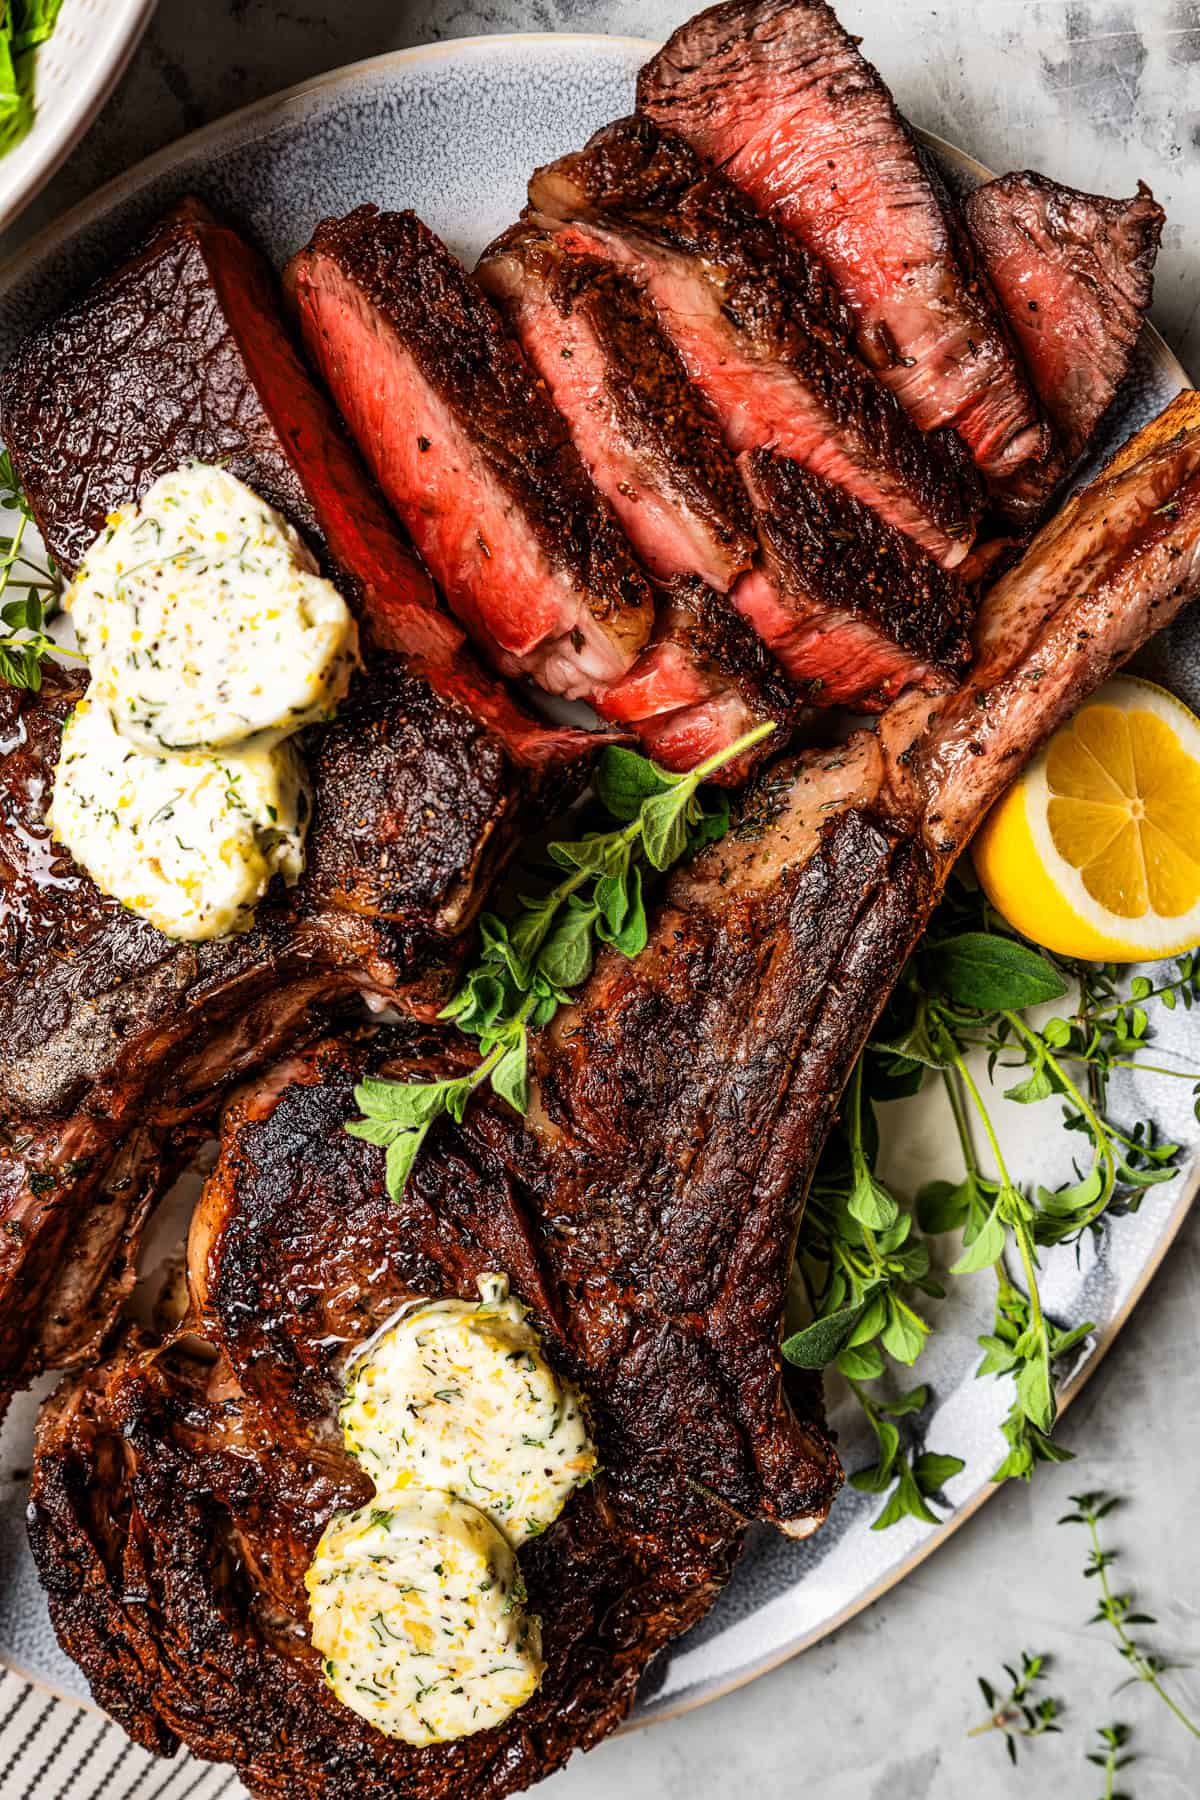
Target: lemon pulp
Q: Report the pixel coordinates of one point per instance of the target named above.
(1095, 852)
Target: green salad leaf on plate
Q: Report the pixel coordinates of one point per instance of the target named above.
(24, 25)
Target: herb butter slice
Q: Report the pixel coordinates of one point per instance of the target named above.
(188, 842)
(417, 1611)
(204, 619)
(458, 1395)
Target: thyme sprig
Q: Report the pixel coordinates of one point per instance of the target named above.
(1017, 1714)
(1112, 1758)
(36, 586)
(529, 964)
(1120, 1611)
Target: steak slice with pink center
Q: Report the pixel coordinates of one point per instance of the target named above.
(776, 94)
(469, 450)
(743, 309)
(656, 453)
(1075, 274)
(853, 611)
(654, 449)
(706, 679)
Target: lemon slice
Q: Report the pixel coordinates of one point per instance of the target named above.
(1095, 852)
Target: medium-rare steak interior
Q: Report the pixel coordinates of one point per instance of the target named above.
(854, 612)
(1075, 275)
(470, 452)
(646, 1207)
(652, 446)
(755, 327)
(656, 453)
(778, 96)
(705, 681)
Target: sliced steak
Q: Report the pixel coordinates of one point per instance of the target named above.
(706, 679)
(113, 1034)
(736, 300)
(652, 446)
(656, 453)
(1075, 274)
(180, 355)
(777, 95)
(646, 1210)
(852, 609)
(469, 450)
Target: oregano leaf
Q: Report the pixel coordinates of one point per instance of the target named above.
(817, 1344)
(993, 973)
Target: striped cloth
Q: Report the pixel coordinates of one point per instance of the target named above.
(51, 1749)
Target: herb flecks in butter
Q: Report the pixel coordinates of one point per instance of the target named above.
(190, 843)
(205, 621)
(458, 1395)
(415, 1603)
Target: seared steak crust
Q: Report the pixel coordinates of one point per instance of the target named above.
(83, 980)
(777, 94)
(672, 1136)
(155, 1476)
(646, 1208)
(1075, 274)
(645, 192)
(145, 371)
(657, 455)
(832, 562)
(706, 679)
(180, 355)
(653, 447)
(381, 299)
(113, 1035)
(1114, 565)
(639, 168)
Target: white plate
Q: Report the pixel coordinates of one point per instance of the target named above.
(454, 130)
(75, 72)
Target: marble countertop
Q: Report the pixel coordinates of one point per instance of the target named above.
(1098, 93)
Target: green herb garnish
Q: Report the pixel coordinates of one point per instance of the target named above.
(23, 640)
(24, 24)
(1120, 1611)
(1111, 1758)
(529, 964)
(863, 1258)
(1016, 1714)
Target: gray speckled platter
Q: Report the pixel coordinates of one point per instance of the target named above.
(454, 130)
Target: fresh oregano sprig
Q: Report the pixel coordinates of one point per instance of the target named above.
(529, 964)
(860, 1261)
(969, 987)
(1017, 1714)
(1120, 1611)
(914, 1479)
